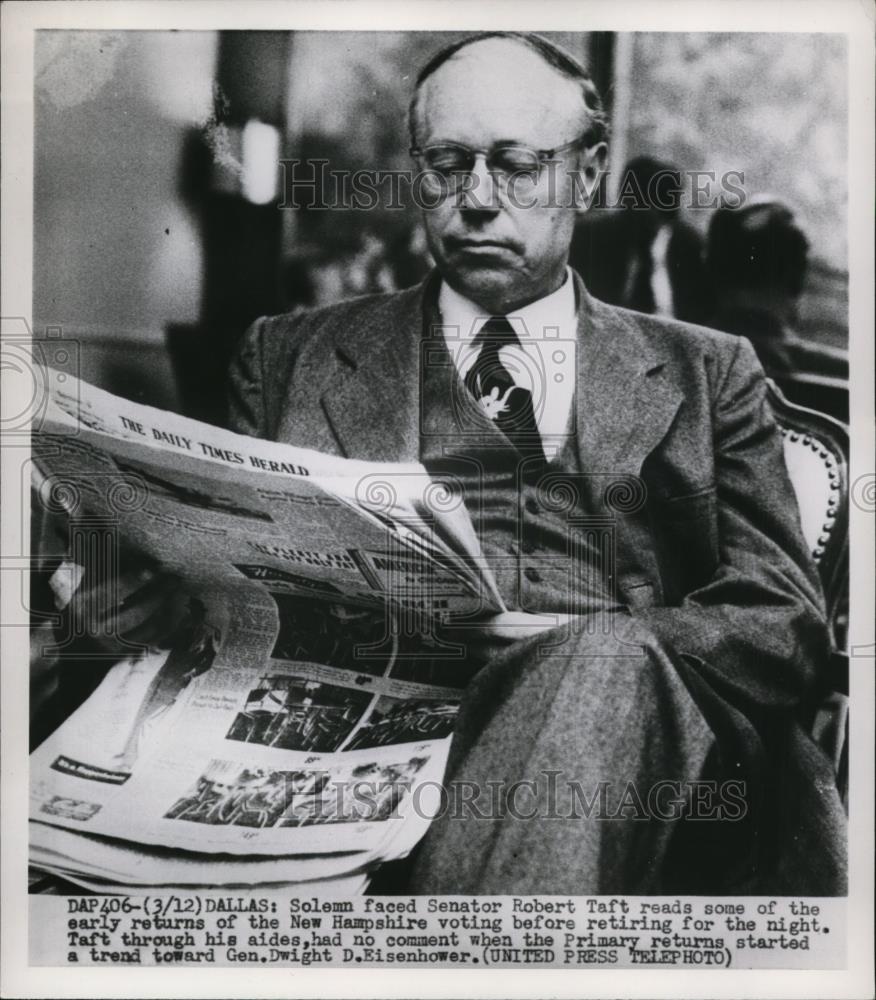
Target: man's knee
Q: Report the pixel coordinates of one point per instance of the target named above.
(619, 684)
(604, 656)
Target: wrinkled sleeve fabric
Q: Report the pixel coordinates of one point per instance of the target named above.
(756, 631)
(245, 390)
(260, 373)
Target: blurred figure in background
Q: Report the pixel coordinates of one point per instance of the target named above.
(408, 256)
(321, 277)
(641, 254)
(757, 258)
(373, 264)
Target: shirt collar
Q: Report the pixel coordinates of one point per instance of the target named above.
(466, 318)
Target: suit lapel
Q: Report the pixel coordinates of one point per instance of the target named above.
(626, 398)
(372, 402)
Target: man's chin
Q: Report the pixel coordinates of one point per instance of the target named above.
(492, 288)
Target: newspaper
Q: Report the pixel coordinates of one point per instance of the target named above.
(296, 721)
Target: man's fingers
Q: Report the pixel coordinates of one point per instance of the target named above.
(159, 627)
(111, 590)
(128, 618)
(146, 615)
(150, 587)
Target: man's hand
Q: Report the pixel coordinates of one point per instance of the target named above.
(102, 621)
(117, 616)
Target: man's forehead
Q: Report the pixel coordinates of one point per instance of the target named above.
(500, 89)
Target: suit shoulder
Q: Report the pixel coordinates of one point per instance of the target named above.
(279, 338)
(697, 337)
(681, 337)
(287, 336)
(716, 360)
(341, 314)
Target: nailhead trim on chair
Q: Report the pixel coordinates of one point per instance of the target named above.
(833, 476)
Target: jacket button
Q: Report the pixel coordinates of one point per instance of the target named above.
(532, 574)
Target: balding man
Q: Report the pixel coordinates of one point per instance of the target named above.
(619, 468)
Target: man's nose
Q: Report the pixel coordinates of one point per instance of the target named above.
(479, 193)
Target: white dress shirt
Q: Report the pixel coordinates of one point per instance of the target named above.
(661, 283)
(545, 363)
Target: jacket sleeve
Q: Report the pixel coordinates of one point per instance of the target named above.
(755, 631)
(245, 400)
(260, 372)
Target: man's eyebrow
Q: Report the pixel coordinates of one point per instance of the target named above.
(495, 144)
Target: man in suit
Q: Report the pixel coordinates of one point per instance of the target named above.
(697, 629)
(621, 470)
(758, 258)
(640, 253)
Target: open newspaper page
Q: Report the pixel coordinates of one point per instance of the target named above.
(296, 714)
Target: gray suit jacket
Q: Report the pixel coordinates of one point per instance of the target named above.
(714, 562)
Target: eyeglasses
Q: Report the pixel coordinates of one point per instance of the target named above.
(452, 161)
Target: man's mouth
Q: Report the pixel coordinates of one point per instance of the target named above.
(479, 245)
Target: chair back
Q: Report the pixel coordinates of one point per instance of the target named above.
(817, 455)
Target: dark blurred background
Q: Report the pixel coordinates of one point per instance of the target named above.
(158, 231)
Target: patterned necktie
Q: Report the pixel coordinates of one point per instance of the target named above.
(507, 404)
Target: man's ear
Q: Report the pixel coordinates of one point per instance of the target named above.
(591, 167)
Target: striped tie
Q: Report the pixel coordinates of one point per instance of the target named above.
(507, 404)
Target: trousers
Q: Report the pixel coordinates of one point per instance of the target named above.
(551, 725)
(589, 764)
